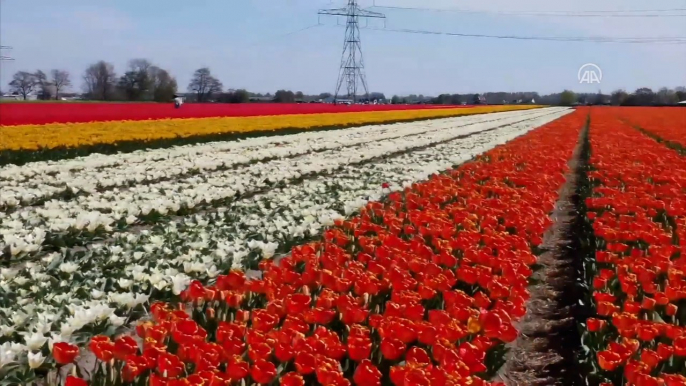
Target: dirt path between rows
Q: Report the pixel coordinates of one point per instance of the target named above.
(547, 349)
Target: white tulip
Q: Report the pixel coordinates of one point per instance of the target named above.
(6, 330)
(35, 360)
(125, 284)
(68, 267)
(179, 283)
(95, 294)
(35, 341)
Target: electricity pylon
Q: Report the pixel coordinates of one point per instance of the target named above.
(352, 71)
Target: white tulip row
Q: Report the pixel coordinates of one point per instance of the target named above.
(25, 229)
(153, 264)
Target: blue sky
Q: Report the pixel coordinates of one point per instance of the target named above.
(243, 44)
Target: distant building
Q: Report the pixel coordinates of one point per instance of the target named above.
(479, 99)
(16, 96)
(262, 99)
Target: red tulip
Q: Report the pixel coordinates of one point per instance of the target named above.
(170, 365)
(305, 363)
(679, 345)
(367, 374)
(263, 372)
(417, 356)
(64, 353)
(74, 381)
(263, 320)
(125, 346)
(359, 348)
(296, 304)
(609, 360)
(284, 352)
(392, 349)
(291, 379)
(595, 325)
(237, 368)
(102, 347)
(158, 380)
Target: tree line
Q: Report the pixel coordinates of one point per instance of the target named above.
(144, 81)
(46, 87)
(641, 97)
(204, 87)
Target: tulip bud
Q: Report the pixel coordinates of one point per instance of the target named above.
(210, 313)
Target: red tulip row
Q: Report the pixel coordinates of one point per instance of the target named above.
(667, 123)
(12, 114)
(638, 210)
(421, 289)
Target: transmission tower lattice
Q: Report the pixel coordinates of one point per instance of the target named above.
(351, 71)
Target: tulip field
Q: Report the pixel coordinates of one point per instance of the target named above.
(374, 247)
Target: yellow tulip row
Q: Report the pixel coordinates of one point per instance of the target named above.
(51, 136)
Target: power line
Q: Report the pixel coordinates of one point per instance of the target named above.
(619, 13)
(588, 39)
(298, 31)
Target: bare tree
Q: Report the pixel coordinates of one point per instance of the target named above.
(619, 97)
(680, 93)
(204, 85)
(136, 81)
(140, 65)
(60, 80)
(100, 80)
(162, 86)
(24, 83)
(666, 96)
(43, 85)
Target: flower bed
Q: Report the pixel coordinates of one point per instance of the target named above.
(54, 224)
(638, 210)
(667, 124)
(420, 289)
(114, 277)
